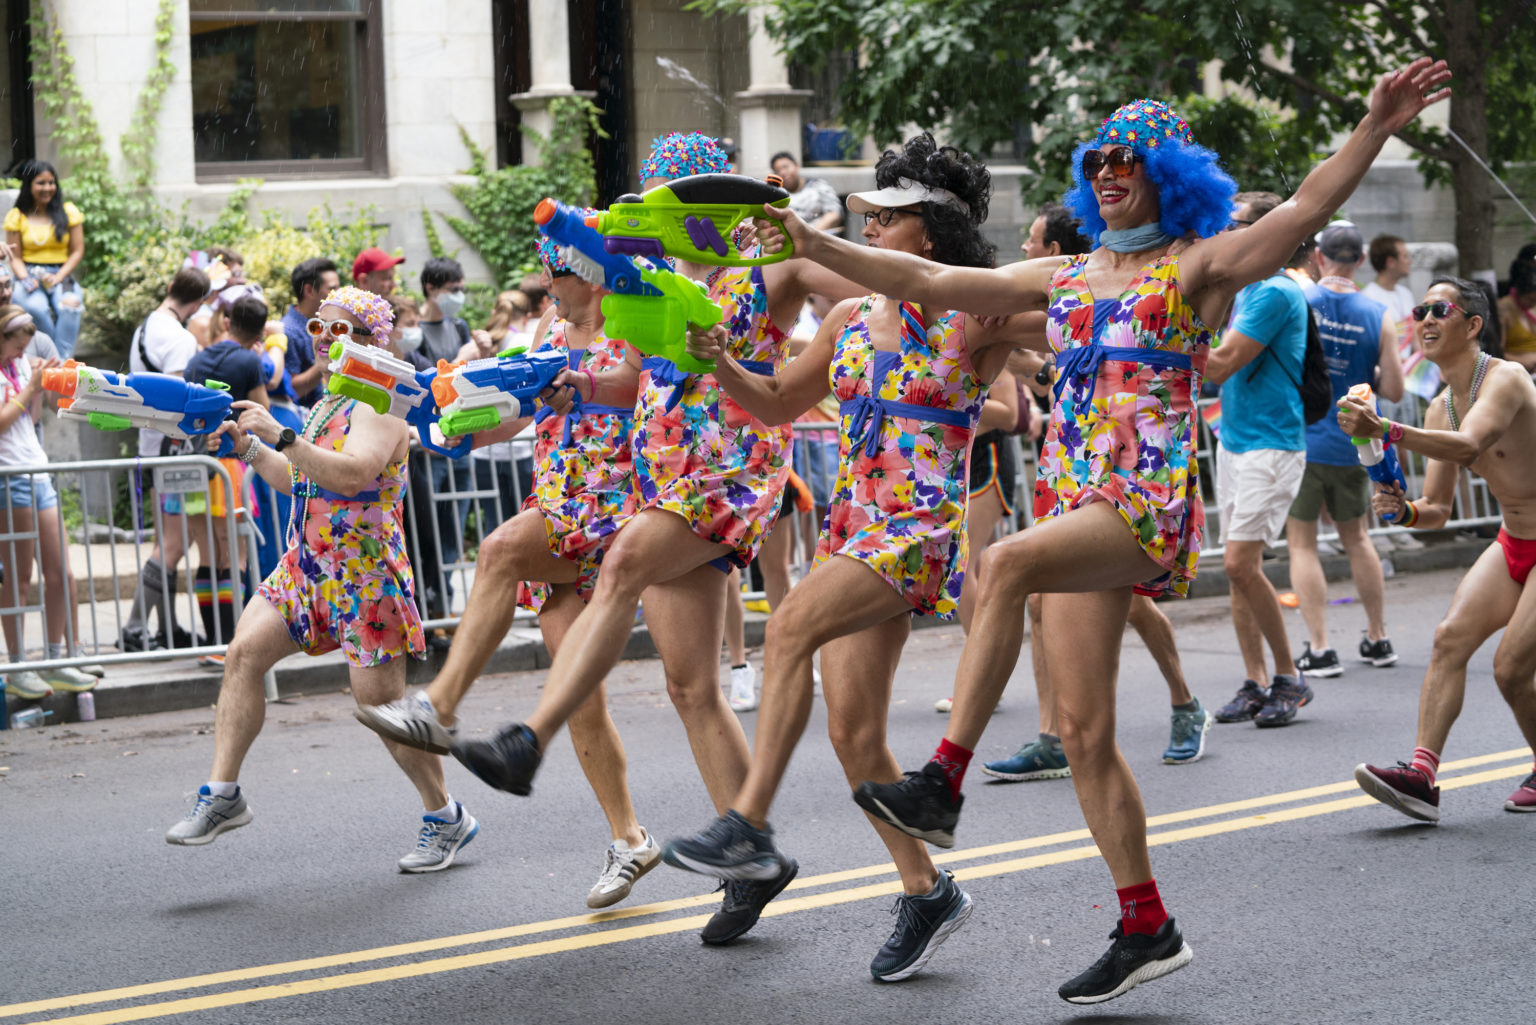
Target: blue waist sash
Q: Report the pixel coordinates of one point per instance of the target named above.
(868, 413)
(666, 373)
(576, 412)
(309, 489)
(1085, 360)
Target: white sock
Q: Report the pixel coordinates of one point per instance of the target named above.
(448, 812)
(55, 651)
(223, 789)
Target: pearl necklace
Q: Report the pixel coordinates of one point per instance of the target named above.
(1477, 382)
(1339, 283)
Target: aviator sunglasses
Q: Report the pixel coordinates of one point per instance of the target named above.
(1122, 161)
(1441, 310)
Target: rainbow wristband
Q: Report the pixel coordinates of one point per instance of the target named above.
(1412, 515)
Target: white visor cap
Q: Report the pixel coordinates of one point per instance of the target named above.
(904, 193)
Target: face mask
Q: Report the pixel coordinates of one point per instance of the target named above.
(450, 302)
(410, 339)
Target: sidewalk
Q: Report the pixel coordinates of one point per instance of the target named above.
(139, 688)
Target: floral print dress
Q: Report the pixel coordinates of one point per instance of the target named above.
(583, 478)
(1123, 427)
(904, 441)
(345, 580)
(700, 455)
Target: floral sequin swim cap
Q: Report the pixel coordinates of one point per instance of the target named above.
(1144, 124)
(373, 310)
(683, 153)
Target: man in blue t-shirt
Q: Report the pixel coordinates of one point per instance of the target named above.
(1360, 342)
(1259, 463)
(311, 282)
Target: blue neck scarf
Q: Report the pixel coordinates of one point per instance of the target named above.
(1135, 240)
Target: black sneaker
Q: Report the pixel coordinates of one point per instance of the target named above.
(920, 805)
(507, 761)
(1319, 663)
(1250, 698)
(1286, 695)
(922, 923)
(744, 903)
(136, 640)
(731, 848)
(1377, 653)
(1130, 961)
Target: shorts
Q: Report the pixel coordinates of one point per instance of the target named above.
(30, 490)
(1344, 490)
(993, 468)
(1254, 491)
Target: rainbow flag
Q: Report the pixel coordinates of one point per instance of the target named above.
(1212, 416)
(1421, 377)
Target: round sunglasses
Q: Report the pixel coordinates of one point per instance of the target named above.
(1122, 161)
(336, 329)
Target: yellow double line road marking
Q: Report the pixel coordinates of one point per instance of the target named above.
(783, 906)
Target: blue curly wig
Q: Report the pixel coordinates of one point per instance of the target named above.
(1194, 193)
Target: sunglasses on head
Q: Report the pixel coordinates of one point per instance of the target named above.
(1122, 162)
(1441, 310)
(336, 329)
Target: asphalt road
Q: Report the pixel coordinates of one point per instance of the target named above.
(1304, 900)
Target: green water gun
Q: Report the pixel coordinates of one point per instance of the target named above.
(658, 326)
(693, 219)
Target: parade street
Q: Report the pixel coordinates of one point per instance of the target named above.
(1303, 899)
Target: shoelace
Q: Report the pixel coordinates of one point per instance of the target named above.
(202, 801)
(612, 868)
(908, 919)
(429, 834)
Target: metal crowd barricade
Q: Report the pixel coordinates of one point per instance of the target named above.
(94, 487)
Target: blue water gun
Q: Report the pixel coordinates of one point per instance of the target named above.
(110, 401)
(650, 309)
(482, 394)
(1377, 454)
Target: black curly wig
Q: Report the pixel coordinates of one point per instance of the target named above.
(955, 234)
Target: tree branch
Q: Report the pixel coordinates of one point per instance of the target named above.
(1344, 103)
(1403, 28)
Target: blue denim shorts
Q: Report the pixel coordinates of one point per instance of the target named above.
(27, 490)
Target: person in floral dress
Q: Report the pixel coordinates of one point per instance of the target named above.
(344, 582)
(547, 556)
(910, 384)
(1117, 504)
(709, 478)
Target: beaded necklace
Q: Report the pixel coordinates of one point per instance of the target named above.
(1477, 382)
(1335, 281)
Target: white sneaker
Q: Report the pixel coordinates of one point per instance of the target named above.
(439, 841)
(743, 688)
(209, 817)
(1407, 542)
(27, 685)
(70, 679)
(943, 705)
(411, 721)
(624, 867)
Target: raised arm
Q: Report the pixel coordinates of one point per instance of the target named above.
(1506, 388)
(1231, 260)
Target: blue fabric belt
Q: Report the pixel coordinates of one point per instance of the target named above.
(1084, 362)
(666, 373)
(309, 489)
(868, 413)
(576, 412)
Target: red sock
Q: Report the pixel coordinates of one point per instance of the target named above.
(954, 760)
(1427, 762)
(1141, 909)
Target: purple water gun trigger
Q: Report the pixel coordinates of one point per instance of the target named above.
(620, 245)
(704, 235)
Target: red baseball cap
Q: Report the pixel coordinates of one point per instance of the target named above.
(371, 259)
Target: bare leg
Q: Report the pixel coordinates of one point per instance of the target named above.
(1485, 601)
(1089, 548)
(60, 606)
(593, 733)
(981, 519)
(773, 558)
(654, 547)
(1514, 663)
(18, 577)
(735, 619)
(517, 550)
(1259, 612)
(1045, 691)
(1106, 790)
(1308, 580)
(260, 640)
(858, 671)
(1365, 567)
(685, 615)
(1157, 634)
(840, 597)
(378, 685)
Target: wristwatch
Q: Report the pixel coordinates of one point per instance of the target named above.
(285, 439)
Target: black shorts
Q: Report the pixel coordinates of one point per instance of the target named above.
(993, 466)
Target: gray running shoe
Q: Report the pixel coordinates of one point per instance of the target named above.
(411, 721)
(729, 848)
(209, 817)
(623, 868)
(439, 842)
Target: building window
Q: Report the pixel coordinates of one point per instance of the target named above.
(16, 136)
(287, 87)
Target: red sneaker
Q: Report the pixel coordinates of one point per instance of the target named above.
(1524, 797)
(1404, 788)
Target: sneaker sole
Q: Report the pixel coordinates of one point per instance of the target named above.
(1146, 973)
(597, 901)
(417, 870)
(1027, 777)
(1519, 808)
(1409, 806)
(743, 706)
(940, 934)
(1381, 663)
(1324, 674)
(28, 695)
(243, 819)
(938, 837)
(422, 736)
(740, 931)
(757, 871)
(73, 688)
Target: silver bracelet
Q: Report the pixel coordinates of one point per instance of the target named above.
(249, 455)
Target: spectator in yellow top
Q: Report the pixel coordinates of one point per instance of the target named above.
(1517, 311)
(47, 241)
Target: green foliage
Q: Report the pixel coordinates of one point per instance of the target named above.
(1261, 150)
(499, 204)
(138, 142)
(434, 238)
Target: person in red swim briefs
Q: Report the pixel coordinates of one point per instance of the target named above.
(1484, 420)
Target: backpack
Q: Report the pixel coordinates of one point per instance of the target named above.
(1316, 385)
